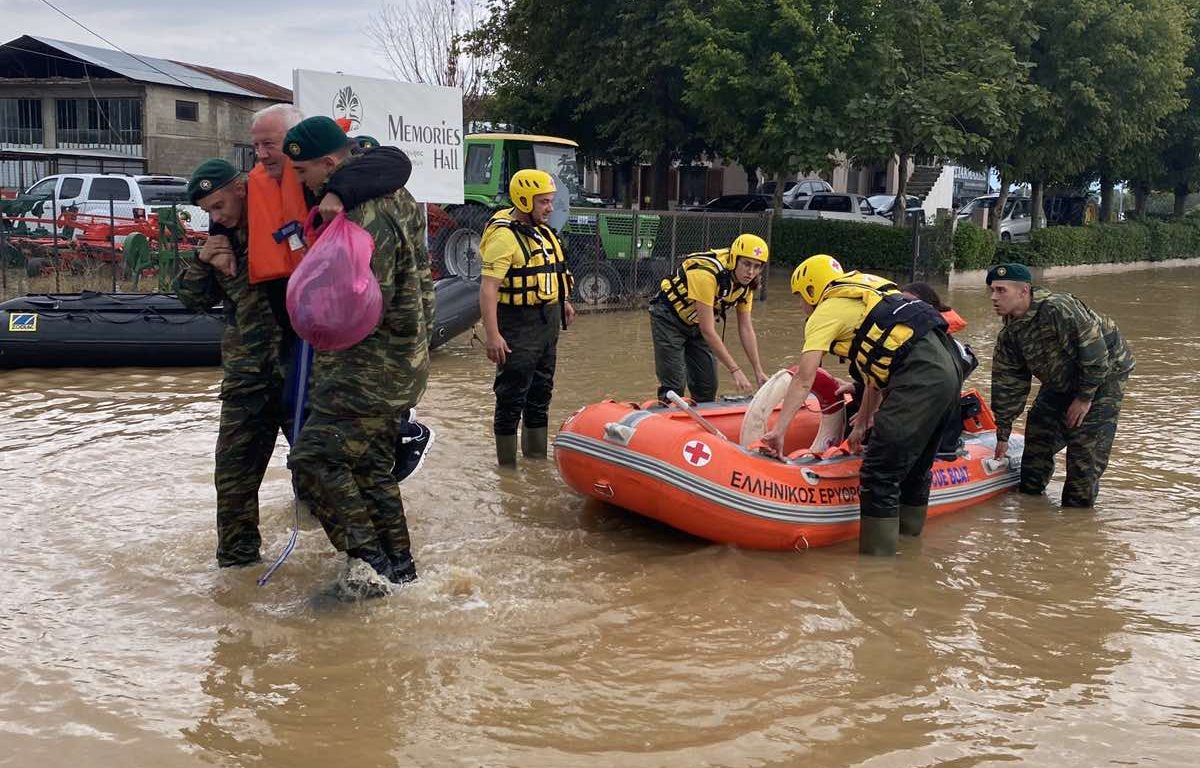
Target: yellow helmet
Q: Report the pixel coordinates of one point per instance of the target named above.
(814, 275)
(526, 184)
(748, 247)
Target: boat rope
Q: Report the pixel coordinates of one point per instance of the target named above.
(305, 356)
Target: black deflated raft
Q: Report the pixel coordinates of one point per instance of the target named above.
(92, 329)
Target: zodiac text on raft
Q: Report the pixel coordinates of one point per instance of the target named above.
(793, 494)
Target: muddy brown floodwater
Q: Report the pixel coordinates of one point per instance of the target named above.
(550, 631)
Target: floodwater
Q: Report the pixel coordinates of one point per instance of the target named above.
(550, 631)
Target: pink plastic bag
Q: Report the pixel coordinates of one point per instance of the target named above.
(332, 297)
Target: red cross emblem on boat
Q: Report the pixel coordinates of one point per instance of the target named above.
(697, 453)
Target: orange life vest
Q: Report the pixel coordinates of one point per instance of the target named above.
(273, 205)
(955, 320)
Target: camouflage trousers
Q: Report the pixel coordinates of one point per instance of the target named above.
(342, 468)
(250, 424)
(681, 356)
(524, 385)
(1088, 445)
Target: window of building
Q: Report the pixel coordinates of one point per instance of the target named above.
(109, 189)
(99, 122)
(243, 156)
(187, 110)
(20, 121)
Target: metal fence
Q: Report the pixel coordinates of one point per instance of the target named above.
(619, 257)
(95, 246)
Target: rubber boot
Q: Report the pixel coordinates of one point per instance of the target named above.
(533, 442)
(878, 536)
(912, 519)
(404, 569)
(506, 450)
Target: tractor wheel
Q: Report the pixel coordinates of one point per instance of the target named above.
(459, 255)
(596, 283)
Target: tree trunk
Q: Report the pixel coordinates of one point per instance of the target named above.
(997, 214)
(899, 209)
(625, 183)
(1037, 202)
(751, 179)
(1106, 197)
(661, 174)
(1141, 198)
(777, 198)
(1181, 195)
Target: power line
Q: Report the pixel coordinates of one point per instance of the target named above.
(135, 57)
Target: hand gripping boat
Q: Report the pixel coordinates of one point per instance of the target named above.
(692, 467)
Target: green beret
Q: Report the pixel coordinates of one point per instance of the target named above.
(210, 176)
(314, 137)
(1018, 273)
(366, 142)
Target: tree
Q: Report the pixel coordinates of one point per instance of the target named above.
(763, 76)
(422, 41)
(939, 77)
(1178, 152)
(608, 75)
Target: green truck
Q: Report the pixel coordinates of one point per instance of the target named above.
(603, 246)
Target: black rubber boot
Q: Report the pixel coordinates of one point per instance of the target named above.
(878, 536)
(404, 568)
(533, 442)
(506, 450)
(373, 558)
(912, 519)
(238, 556)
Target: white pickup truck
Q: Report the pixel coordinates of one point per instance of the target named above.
(132, 197)
(840, 206)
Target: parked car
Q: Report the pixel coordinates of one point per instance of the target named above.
(748, 203)
(1017, 220)
(839, 206)
(884, 206)
(133, 197)
(805, 188)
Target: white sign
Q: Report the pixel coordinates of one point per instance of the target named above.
(423, 120)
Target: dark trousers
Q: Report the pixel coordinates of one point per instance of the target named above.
(525, 383)
(1088, 445)
(921, 393)
(681, 356)
(250, 423)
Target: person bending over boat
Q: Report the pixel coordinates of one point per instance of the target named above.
(683, 319)
(256, 346)
(344, 458)
(899, 350)
(1082, 361)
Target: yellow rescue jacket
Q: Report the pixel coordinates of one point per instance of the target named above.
(891, 325)
(538, 273)
(674, 291)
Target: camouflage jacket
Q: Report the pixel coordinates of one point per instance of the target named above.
(387, 370)
(253, 342)
(1069, 348)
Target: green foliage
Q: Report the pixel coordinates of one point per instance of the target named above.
(856, 246)
(974, 248)
(1130, 241)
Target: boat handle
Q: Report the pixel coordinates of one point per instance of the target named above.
(603, 488)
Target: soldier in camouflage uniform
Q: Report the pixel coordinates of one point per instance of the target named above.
(256, 345)
(343, 461)
(1082, 362)
(252, 356)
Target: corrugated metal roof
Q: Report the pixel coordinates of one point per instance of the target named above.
(265, 88)
(146, 69)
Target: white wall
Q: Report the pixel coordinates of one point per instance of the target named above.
(942, 194)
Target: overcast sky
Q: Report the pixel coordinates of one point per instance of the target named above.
(267, 38)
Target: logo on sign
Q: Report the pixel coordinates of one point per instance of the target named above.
(23, 322)
(697, 453)
(347, 106)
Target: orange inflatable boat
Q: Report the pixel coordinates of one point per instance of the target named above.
(692, 467)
